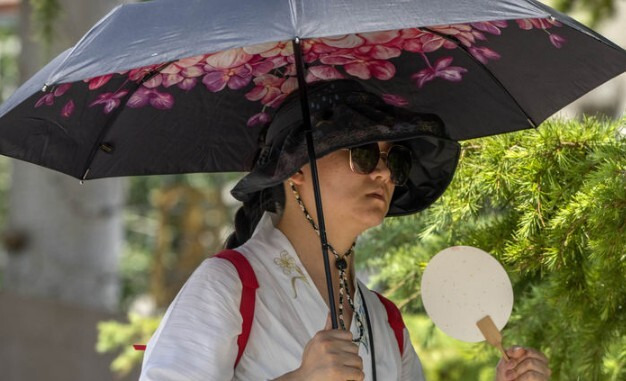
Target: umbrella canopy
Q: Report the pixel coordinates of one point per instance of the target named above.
(176, 87)
(162, 87)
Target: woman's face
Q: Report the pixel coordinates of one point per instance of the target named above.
(353, 200)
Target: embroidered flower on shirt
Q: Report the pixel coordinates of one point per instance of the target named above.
(288, 264)
(365, 336)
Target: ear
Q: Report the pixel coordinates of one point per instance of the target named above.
(298, 177)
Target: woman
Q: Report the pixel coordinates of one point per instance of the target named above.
(375, 160)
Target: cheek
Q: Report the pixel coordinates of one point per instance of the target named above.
(339, 183)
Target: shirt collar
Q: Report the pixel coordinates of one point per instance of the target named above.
(276, 243)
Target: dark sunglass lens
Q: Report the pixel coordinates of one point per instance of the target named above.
(399, 162)
(364, 158)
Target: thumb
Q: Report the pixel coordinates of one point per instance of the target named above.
(515, 352)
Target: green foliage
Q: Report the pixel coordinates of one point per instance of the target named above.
(45, 13)
(550, 204)
(141, 220)
(114, 336)
(456, 360)
(597, 10)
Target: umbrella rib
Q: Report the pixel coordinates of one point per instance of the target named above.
(306, 119)
(117, 113)
(484, 67)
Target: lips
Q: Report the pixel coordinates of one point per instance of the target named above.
(378, 195)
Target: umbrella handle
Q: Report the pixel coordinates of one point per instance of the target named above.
(306, 118)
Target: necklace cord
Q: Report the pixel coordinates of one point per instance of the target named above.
(341, 264)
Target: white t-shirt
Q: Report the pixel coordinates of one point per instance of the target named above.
(197, 338)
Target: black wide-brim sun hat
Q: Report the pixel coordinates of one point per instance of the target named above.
(344, 115)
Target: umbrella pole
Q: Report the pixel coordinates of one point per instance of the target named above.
(306, 118)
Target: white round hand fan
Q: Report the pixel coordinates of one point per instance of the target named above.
(463, 288)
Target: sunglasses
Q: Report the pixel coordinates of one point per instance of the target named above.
(364, 160)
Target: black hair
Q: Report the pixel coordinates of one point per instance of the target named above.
(249, 214)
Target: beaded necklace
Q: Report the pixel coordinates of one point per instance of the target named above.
(341, 264)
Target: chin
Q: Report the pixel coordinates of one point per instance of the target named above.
(373, 219)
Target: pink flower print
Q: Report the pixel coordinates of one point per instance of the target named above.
(524, 24)
(347, 41)
(483, 54)
(290, 84)
(170, 80)
(184, 72)
(557, 40)
(188, 83)
(322, 73)
(62, 89)
(47, 100)
(271, 49)
(267, 88)
(144, 96)
(109, 100)
(441, 69)
(97, 82)
(186, 78)
(189, 61)
(462, 32)
(382, 70)
(235, 78)
(379, 52)
(317, 46)
(68, 109)
(410, 33)
(395, 100)
(527, 24)
(140, 73)
(426, 43)
(228, 59)
(361, 65)
(313, 48)
(290, 70)
(261, 65)
(257, 119)
(229, 68)
(380, 38)
(154, 81)
(287, 87)
(491, 27)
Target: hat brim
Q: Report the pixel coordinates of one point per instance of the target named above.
(345, 115)
(434, 159)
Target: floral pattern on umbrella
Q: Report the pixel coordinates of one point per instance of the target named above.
(270, 67)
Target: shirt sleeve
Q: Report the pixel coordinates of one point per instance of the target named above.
(411, 365)
(197, 338)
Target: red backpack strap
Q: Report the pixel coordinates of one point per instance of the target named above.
(248, 295)
(394, 317)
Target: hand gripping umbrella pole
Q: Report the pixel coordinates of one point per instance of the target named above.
(306, 118)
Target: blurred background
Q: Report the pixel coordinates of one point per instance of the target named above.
(88, 270)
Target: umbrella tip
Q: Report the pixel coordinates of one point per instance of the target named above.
(82, 181)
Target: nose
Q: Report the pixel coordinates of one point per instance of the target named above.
(382, 170)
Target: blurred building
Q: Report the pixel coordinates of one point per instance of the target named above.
(60, 278)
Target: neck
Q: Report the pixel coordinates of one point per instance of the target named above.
(306, 243)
